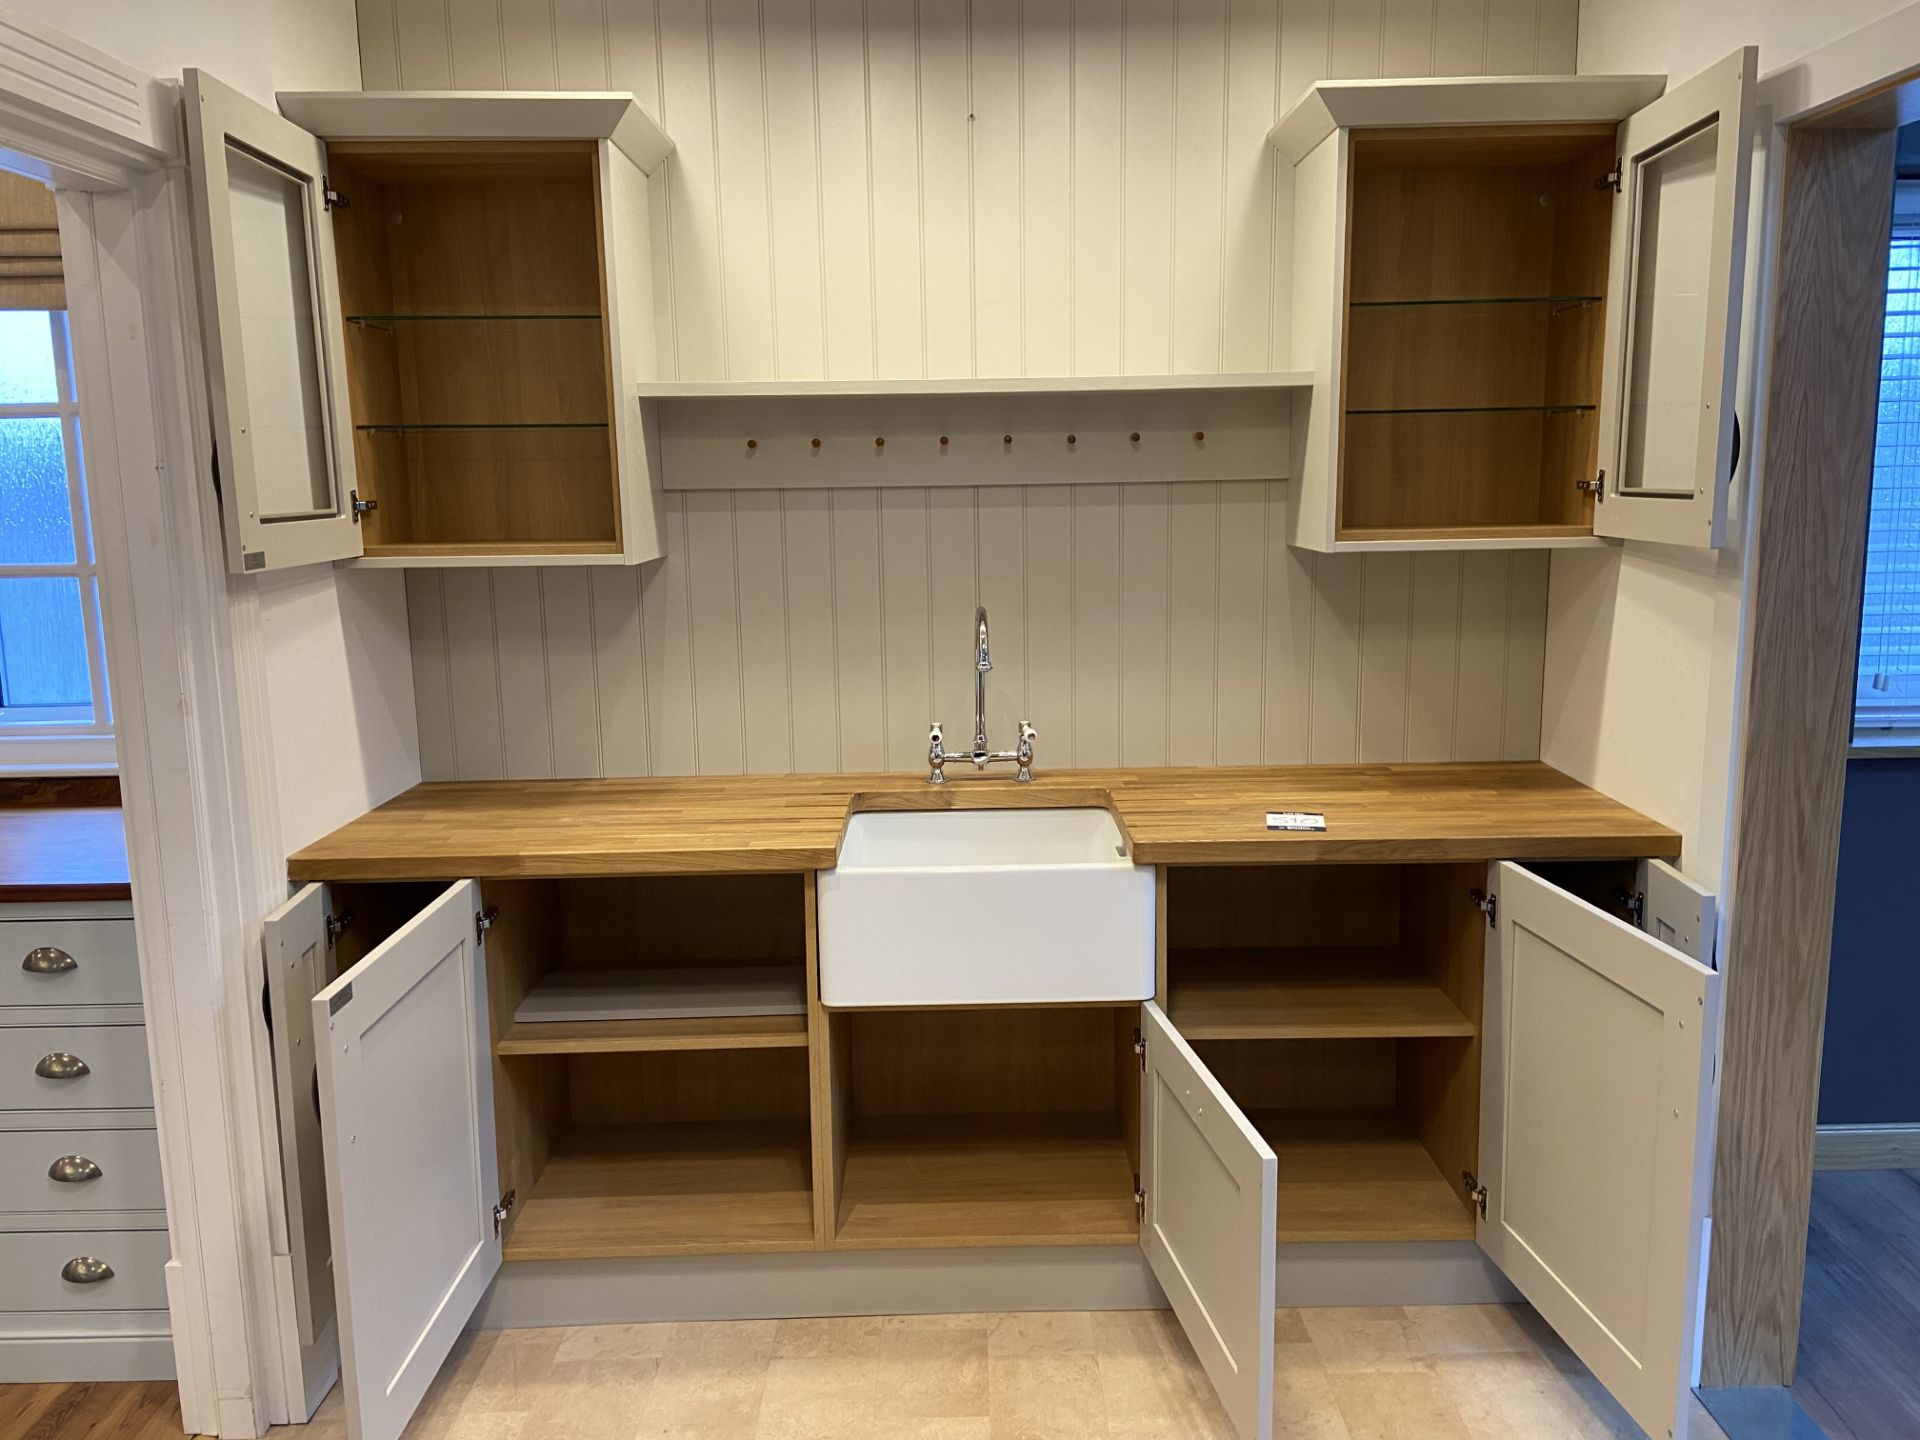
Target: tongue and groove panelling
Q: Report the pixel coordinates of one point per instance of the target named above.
(998, 188)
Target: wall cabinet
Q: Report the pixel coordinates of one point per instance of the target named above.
(1369, 1052)
(424, 316)
(1520, 303)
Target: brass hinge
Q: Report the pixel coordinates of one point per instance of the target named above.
(1476, 1192)
(360, 507)
(501, 1211)
(1139, 1200)
(1487, 905)
(338, 925)
(330, 198)
(483, 922)
(1596, 487)
(1140, 1049)
(1611, 180)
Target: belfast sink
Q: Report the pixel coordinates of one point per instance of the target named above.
(985, 907)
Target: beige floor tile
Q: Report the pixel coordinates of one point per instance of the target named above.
(704, 1396)
(1399, 1405)
(833, 1397)
(1290, 1328)
(1701, 1425)
(1152, 1382)
(830, 1335)
(1303, 1403)
(613, 1342)
(1046, 1396)
(1518, 1397)
(1051, 1332)
(933, 1373)
(1438, 1331)
(746, 1339)
(1361, 1339)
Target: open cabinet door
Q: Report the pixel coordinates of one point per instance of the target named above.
(406, 1112)
(1596, 1135)
(295, 944)
(1668, 436)
(1208, 1227)
(276, 361)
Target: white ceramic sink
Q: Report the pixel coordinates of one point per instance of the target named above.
(985, 907)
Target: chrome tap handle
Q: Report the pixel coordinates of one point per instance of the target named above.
(936, 755)
(1024, 753)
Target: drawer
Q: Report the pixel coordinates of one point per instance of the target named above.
(127, 1162)
(33, 1264)
(115, 1057)
(68, 962)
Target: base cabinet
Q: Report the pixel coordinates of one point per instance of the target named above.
(1371, 1053)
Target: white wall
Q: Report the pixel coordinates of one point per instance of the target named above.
(1642, 642)
(340, 693)
(257, 46)
(1011, 187)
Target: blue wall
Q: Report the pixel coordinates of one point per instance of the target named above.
(1870, 1069)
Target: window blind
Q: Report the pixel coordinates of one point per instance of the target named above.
(1887, 689)
(30, 276)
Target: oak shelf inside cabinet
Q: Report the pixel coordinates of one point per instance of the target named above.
(1330, 994)
(704, 1032)
(694, 1188)
(932, 1181)
(1359, 1175)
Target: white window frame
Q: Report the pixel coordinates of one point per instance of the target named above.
(29, 745)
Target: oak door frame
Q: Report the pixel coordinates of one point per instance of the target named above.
(1830, 192)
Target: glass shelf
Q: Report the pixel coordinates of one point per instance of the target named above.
(419, 319)
(503, 425)
(1480, 410)
(1481, 300)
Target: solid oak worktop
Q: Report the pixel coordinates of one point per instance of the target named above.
(1188, 816)
(53, 853)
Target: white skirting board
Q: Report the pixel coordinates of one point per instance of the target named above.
(48, 1358)
(891, 1282)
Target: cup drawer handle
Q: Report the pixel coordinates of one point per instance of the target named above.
(73, 1170)
(61, 1065)
(85, 1270)
(48, 960)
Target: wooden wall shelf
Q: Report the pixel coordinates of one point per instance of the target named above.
(613, 1037)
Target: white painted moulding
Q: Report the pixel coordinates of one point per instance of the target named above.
(481, 115)
(1476, 100)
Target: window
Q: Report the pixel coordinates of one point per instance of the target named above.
(54, 711)
(1887, 687)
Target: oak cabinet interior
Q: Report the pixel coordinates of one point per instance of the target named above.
(1476, 282)
(477, 352)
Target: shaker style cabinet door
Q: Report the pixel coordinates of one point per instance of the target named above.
(1596, 1134)
(406, 1121)
(1667, 428)
(276, 361)
(1208, 1230)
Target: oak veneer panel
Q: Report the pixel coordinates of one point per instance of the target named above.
(1322, 994)
(715, 1032)
(1359, 1175)
(61, 853)
(670, 1189)
(1807, 535)
(963, 1181)
(1211, 815)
